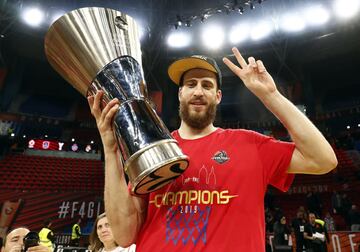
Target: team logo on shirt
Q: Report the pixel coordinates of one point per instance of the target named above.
(220, 157)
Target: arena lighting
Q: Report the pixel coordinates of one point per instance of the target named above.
(359, 125)
(12, 134)
(239, 33)
(188, 23)
(24, 136)
(178, 39)
(178, 20)
(227, 7)
(316, 15)
(92, 142)
(345, 9)
(261, 30)
(292, 22)
(46, 136)
(213, 36)
(72, 139)
(348, 127)
(33, 16)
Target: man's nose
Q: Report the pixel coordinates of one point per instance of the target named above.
(198, 90)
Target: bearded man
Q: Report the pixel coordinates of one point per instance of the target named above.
(217, 204)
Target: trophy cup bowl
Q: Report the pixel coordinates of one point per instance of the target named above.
(99, 49)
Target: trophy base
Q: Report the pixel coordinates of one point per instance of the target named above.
(155, 166)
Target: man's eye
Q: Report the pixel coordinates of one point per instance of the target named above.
(207, 86)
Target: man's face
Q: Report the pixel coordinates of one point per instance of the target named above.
(199, 98)
(312, 219)
(14, 240)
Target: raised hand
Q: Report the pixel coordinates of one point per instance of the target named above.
(253, 74)
(104, 119)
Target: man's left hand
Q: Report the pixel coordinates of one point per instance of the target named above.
(253, 74)
(39, 248)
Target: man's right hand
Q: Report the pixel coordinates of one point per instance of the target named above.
(39, 248)
(15, 248)
(104, 119)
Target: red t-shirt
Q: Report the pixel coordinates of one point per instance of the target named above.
(217, 204)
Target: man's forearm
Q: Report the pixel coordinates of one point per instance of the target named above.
(314, 150)
(307, 237)
(124, 211)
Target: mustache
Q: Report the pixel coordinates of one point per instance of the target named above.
(198, 100)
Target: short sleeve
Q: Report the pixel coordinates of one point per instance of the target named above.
(275, 157)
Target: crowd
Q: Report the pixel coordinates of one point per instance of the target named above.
(311, 224)
(101, 239)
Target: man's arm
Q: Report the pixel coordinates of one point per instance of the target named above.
(307, 237)
(126, 213)
(313, 154)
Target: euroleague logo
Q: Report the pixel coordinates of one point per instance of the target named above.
(220, 157)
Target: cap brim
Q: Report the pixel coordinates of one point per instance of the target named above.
(179, 67)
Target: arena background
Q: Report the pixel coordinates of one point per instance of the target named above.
(51, 162)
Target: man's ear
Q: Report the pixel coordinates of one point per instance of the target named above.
(218, 96)
(179, 93)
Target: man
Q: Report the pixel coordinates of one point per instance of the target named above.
(14, 242)
(46, 236)
(298, 226)
(76, 234)
(314, 235)
(218, 203)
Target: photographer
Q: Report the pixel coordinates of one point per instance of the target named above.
(14, 242)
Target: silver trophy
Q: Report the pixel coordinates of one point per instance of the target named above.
(99, 49)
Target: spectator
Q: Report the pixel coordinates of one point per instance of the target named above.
(329, 222)
(76, 234)
(102, 240)
(298, 225)
(47, 237)
(13, 242)
(314, 235)
(281, 235)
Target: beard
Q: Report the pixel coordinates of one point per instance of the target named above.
(197, 120)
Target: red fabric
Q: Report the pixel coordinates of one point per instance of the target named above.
(218, 203)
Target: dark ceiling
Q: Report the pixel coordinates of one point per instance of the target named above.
(323, 61)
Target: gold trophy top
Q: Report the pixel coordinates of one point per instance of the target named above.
(80, 43)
